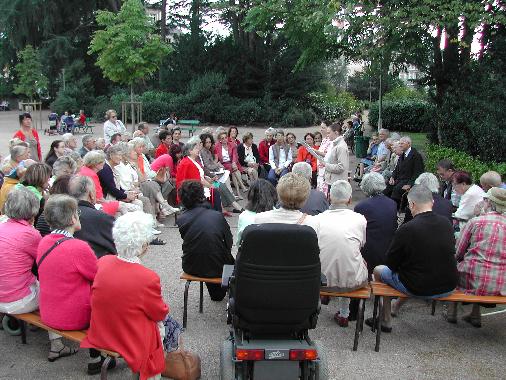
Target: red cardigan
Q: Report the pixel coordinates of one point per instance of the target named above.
(263, 150)
(126, 304)
(109, 207)
(20, 135)
(186, 170)
(65, 277)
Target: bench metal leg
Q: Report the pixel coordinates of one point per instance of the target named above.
(374, 312)
(23, 331)
(378, 331)
(185, 303)
(360, 317)
(201, 302)
(363, 316)
(105, 364)
(433, 310)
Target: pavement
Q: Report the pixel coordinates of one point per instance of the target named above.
(420, 346)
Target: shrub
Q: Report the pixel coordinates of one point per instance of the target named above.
(462, 161)
(334, 107)
(404, 115)
(404, 93)
(241, 112)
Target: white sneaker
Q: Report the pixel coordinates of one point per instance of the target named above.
(156, 232)
(160, 225)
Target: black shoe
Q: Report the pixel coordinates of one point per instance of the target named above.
(96, 368)
(384, 329)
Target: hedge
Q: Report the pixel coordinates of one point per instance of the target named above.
(409, 115)
(462, 161)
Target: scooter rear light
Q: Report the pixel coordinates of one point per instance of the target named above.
(242, 354)
(303, 354)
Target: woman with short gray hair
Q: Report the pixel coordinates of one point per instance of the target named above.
(63, 166)
(66, 265)
(19, 289)
(381, 215)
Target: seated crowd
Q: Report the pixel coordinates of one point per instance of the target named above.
(80, 223)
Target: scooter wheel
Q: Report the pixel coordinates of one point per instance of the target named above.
(11, 325)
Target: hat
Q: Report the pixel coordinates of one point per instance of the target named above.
(497, 195)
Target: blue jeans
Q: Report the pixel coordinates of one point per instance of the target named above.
(392, 279)
(273, 178)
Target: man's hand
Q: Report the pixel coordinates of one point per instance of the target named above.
(391, 181)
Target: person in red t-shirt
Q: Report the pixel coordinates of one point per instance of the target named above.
(165, 143)
(82, 118)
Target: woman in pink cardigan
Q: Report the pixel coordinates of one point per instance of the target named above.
(67, 267)
(226, 153)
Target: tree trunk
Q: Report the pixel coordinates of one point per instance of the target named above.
(132, 106)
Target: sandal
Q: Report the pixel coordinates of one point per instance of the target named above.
(65, 351)
(157, 241)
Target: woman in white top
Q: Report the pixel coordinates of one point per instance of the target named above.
(262, 196)
(471, 195)
(325, 145)
(112, 126)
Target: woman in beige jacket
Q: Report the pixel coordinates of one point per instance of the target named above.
(337, 161)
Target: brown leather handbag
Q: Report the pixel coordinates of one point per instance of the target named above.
(182, 365)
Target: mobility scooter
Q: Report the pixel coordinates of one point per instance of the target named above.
(274, 300)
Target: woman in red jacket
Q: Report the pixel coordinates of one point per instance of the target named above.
(226, 153)
(304, 156)
(29, 135)
(127, 308)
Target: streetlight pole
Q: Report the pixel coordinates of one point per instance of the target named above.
(380, 110)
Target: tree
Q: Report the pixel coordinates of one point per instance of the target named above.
(128, 48)
(31, 79)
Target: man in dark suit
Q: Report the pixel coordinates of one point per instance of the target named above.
(96, 226)
(409, 167)
(418, 264)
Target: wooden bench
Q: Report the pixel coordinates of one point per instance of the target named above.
(75, 336)
(189, 278)
(381, 290)
(188, 125)
(361, 294)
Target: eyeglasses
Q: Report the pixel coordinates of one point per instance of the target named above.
(114, 117)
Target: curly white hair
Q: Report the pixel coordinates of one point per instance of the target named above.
(131, 232)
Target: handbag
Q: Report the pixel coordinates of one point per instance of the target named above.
(182, 364)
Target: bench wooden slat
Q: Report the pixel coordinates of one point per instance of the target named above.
(384, 290)
(363, 293)
(73, 335)
(211, 280)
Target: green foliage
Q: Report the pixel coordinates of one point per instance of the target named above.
(462, 161)
(404, 115)
(78, 93)
(405, 93)
(365, 85)
(334, 107)
(127, 48)
(31, 79)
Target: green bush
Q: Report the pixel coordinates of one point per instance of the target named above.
(404, 115)
(405, 93)
(334, 107)
(462, 161)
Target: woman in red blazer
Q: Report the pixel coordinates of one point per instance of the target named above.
(226, 153)
(189, 169)
(127, 307)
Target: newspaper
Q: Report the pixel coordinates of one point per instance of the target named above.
(315, 153)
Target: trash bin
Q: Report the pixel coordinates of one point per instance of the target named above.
(361, 145)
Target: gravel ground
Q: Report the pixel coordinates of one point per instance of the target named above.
(421, 346)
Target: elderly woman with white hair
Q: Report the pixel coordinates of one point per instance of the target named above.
(381, 215)
(18, 153)
(441, 205)
(111, 126)
(19, 289)
(94, 162)
(316, 202)
(118, 321)
(341, 234)
(156, 191)
(70, 142)
(264, 146)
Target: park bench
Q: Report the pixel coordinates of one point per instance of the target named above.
(188, 125)
(189, 278)
(75, 336)
(380, 290)
(362, 295)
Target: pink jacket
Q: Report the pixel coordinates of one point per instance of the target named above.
(232, 153)
(65, 277)
(18, 250)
